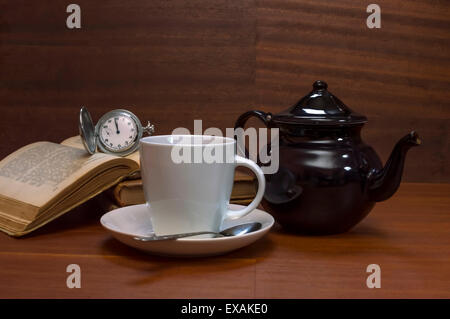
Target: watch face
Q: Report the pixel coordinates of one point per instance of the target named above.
(118, 132)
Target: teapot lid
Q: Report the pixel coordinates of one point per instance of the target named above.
(319, 107)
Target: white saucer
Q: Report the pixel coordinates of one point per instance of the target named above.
(127, 222)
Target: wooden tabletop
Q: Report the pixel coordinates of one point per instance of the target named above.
(407, 236)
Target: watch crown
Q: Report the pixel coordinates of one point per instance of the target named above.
(149, 129)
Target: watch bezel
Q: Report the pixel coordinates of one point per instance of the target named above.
(133, 146)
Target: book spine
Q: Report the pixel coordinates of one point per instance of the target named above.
(117, 197)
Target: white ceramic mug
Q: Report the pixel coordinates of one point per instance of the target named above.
(187, 187)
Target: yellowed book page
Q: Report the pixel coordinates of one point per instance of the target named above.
(75, 141)
(38, 172)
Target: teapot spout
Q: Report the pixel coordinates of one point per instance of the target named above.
(385, 182)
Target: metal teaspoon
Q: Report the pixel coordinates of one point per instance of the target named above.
(232, 231)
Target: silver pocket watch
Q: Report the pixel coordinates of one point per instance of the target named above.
(117, 132)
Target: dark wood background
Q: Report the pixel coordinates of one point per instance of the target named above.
(175, 61)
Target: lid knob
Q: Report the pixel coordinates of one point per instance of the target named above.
(320, 85)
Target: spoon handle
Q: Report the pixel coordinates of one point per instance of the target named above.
(175, 236)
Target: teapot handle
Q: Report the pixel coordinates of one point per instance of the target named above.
(266, 118)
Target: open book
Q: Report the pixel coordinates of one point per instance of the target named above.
(43, 180)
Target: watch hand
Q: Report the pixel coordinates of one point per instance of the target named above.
(117, 126)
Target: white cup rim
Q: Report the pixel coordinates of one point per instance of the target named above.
(168, 140)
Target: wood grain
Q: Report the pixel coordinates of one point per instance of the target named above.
(398, 75)
(175, 61)
(168, 61)
(407, 236)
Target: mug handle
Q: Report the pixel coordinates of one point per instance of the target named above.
(241, 161)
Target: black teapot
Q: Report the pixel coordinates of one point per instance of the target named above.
(328, 179)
